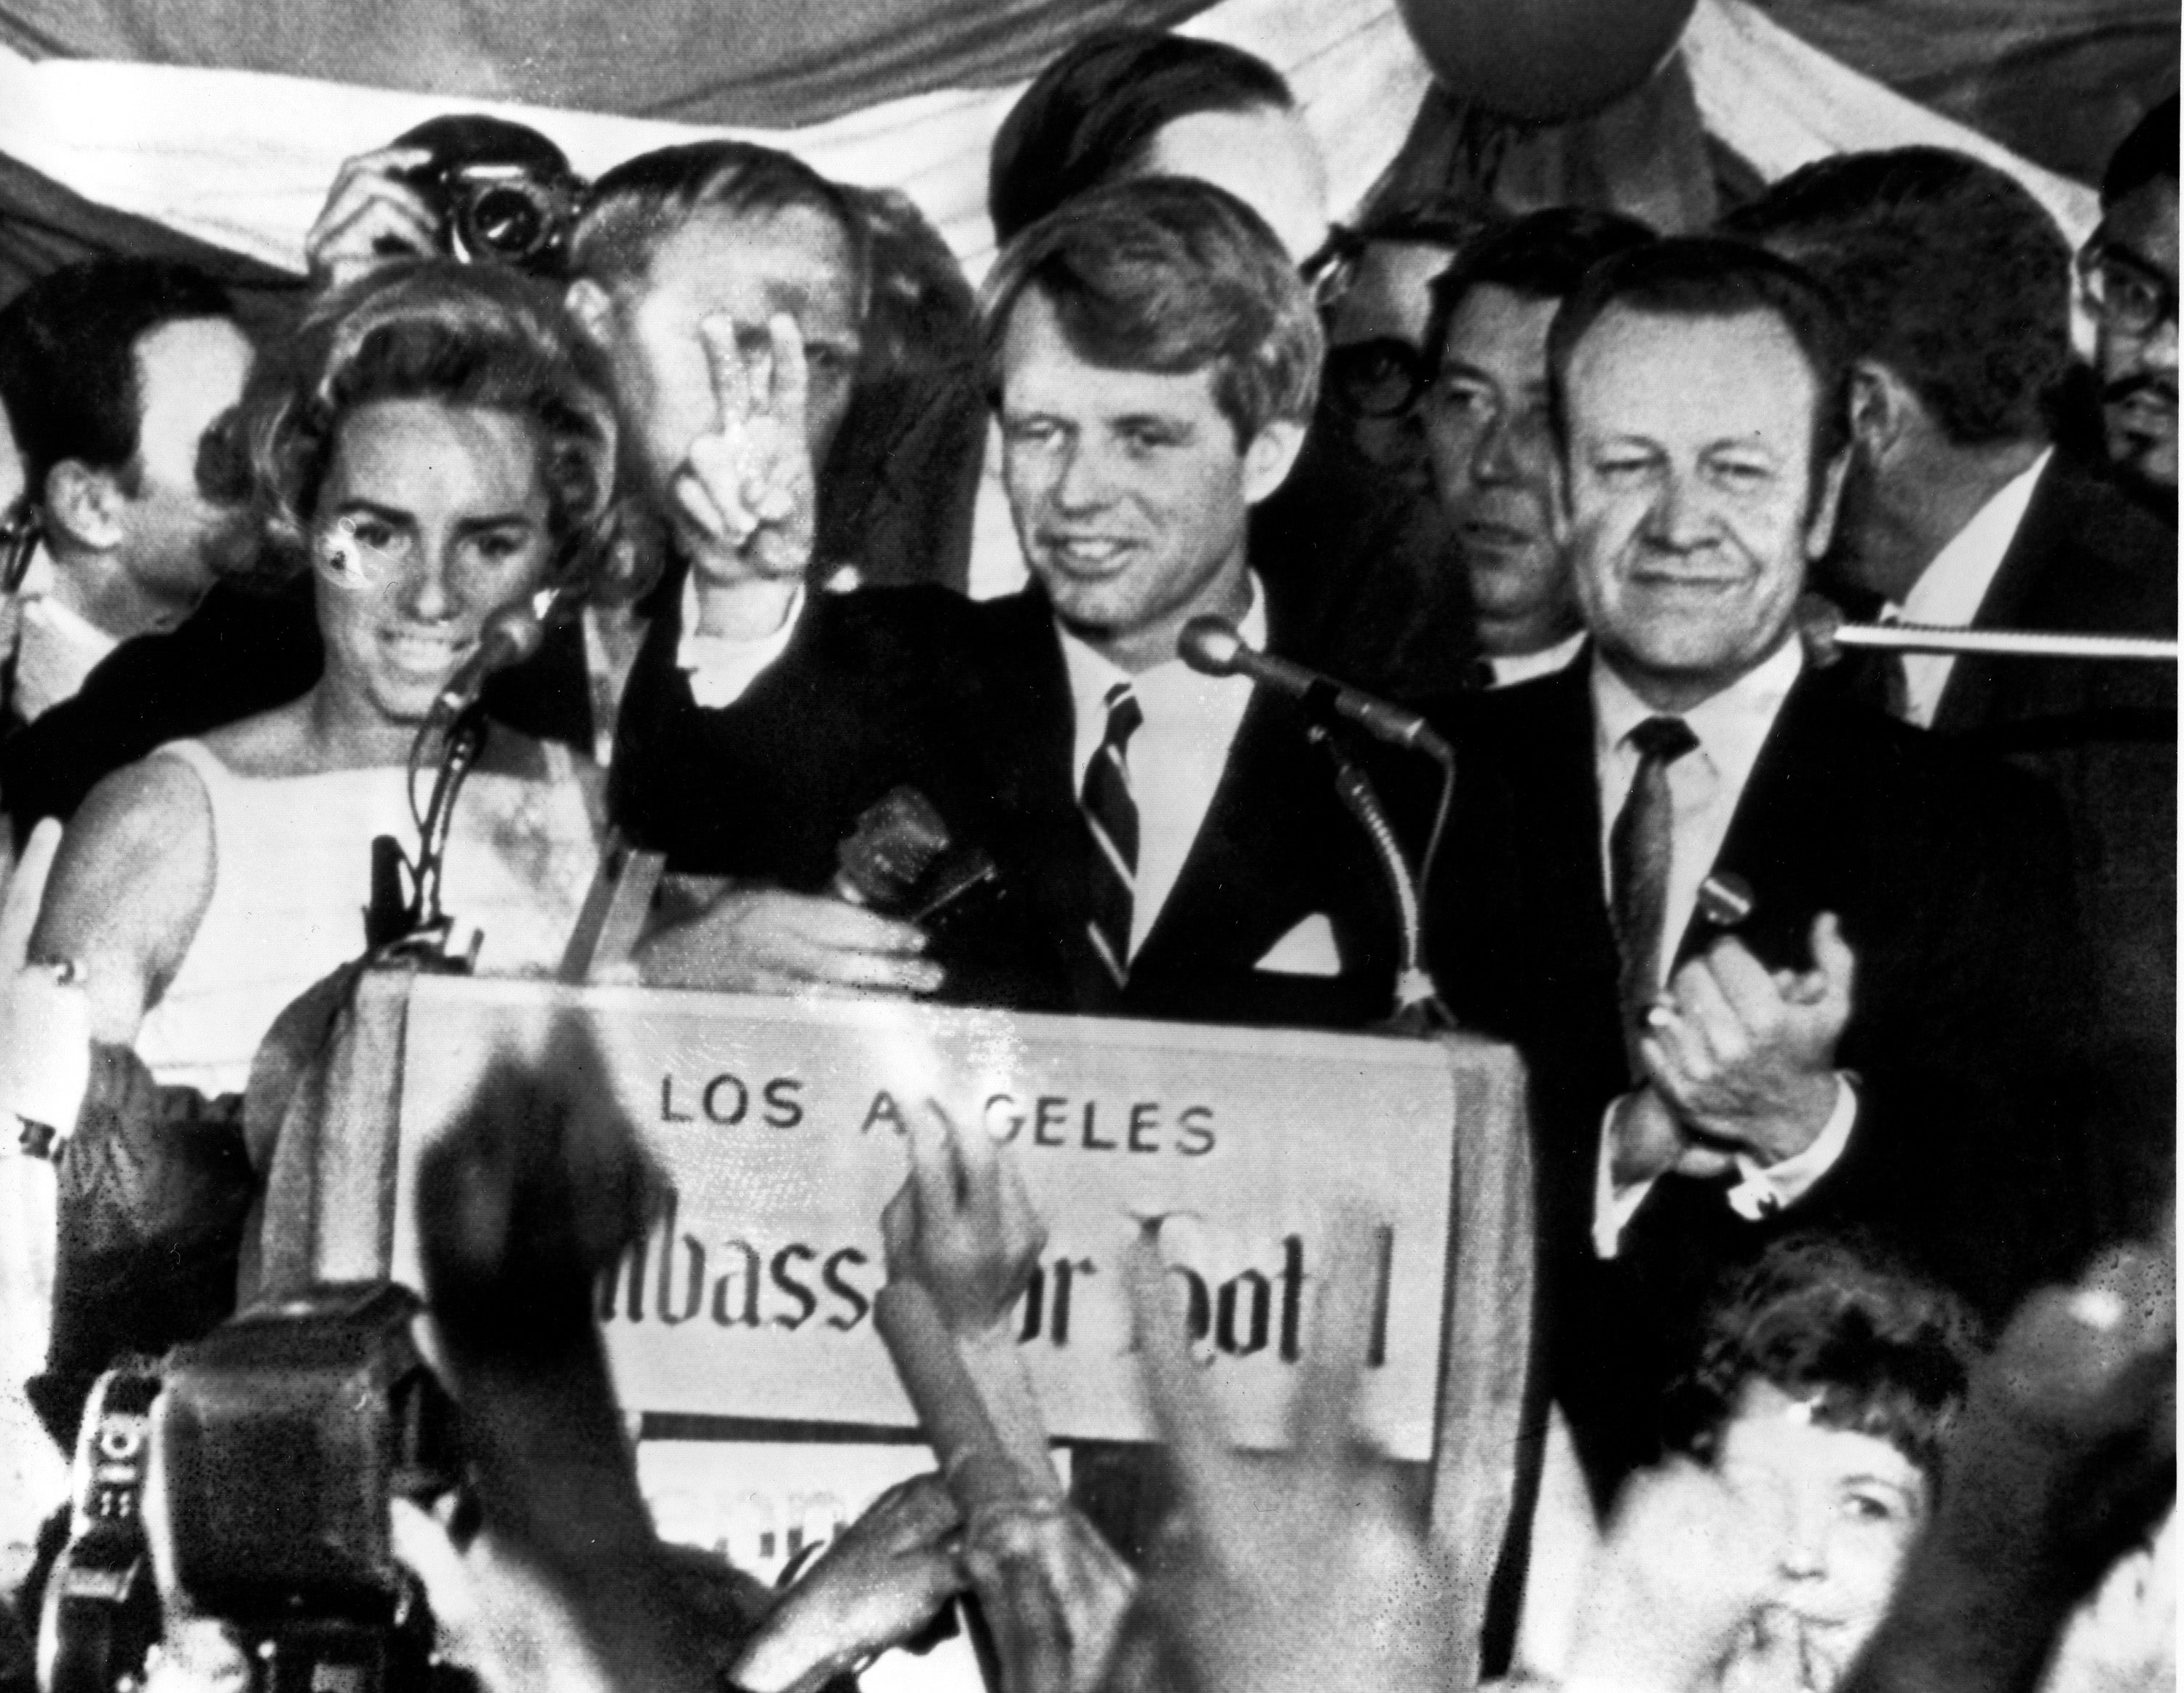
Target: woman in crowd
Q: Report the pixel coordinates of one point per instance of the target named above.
(436, 446)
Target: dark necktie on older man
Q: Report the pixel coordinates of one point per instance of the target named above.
(1640, 849)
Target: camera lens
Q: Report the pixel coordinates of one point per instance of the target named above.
(506, 220)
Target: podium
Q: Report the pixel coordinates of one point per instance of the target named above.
(782, 1125)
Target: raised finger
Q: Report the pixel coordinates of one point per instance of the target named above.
(1322, 1415)
(978, 1169)
(1746, 983)
(1175, 1391)
(790, 395)
(25, 892)
(724, 358)
(899, 1227)
(932, 1175)
(1833, 960)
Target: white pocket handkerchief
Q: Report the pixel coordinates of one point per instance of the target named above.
(1308, 950)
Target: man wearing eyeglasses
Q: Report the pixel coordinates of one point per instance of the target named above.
(2129, 270)
(1960, 511)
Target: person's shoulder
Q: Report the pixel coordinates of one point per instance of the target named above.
(922, 621)
(2106, 564)
(1890, 769)
(147, 825)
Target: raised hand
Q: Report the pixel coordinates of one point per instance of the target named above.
(371, 215)
(962, 1224)
(1687, 1566)
(1744, 1056)
(1300, 1572)
(748, 490)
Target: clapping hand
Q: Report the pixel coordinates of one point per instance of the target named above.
(1741, 1057)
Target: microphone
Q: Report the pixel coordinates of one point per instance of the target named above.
(1211, 646)
(511, 635)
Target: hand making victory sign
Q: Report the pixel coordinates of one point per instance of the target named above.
(747, 488)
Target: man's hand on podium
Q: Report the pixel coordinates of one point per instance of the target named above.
(767, 940)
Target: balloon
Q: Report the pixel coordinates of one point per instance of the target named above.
(1544, 60)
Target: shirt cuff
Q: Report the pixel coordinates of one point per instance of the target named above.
(721, 667)
(1763, 1189)
(1613, 1207)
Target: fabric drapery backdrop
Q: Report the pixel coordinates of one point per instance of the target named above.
(2055, 80)
(241, 159)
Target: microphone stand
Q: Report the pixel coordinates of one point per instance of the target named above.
(1419, 1011)
(423, 929)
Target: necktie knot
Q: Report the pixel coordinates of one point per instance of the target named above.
(1662, 740)
(1124, 716)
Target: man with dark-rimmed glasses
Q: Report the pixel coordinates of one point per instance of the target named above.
(2128, 270)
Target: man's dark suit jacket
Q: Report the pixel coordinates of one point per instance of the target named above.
(969, 703)
(1950, 878)
(2103, 735)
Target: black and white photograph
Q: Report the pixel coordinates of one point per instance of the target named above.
(1087, 846)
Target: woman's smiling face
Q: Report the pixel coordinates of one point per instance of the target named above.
(432, 518)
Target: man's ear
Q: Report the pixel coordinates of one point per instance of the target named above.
(83, 506)
(1558, 503)
(1881, 409)
(593, 307)
(1269, 456)
(1820, 526)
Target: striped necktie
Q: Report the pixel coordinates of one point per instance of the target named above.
(1111, 812)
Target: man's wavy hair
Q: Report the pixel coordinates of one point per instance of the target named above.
(1094, 113)
(1947, 271)
(1837, 1321)
(1167, 275)
(470, 336)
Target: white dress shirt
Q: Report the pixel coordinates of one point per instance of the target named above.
(56, 646)
(1508, 669)
(1705, 786)
(1175, 758)
(1951, 590)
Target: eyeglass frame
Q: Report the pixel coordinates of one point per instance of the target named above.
(2093, 265)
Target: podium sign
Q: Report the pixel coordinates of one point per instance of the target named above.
(782, 1124)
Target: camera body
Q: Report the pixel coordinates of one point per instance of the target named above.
(254, 1471)
(500, 193)
(502, 213)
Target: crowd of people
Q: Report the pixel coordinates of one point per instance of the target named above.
(1844, 979)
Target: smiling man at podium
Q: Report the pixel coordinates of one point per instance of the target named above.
(1161, 842)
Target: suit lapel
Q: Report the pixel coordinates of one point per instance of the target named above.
(2044, 530)
(1782, 815)
(1022, 722)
